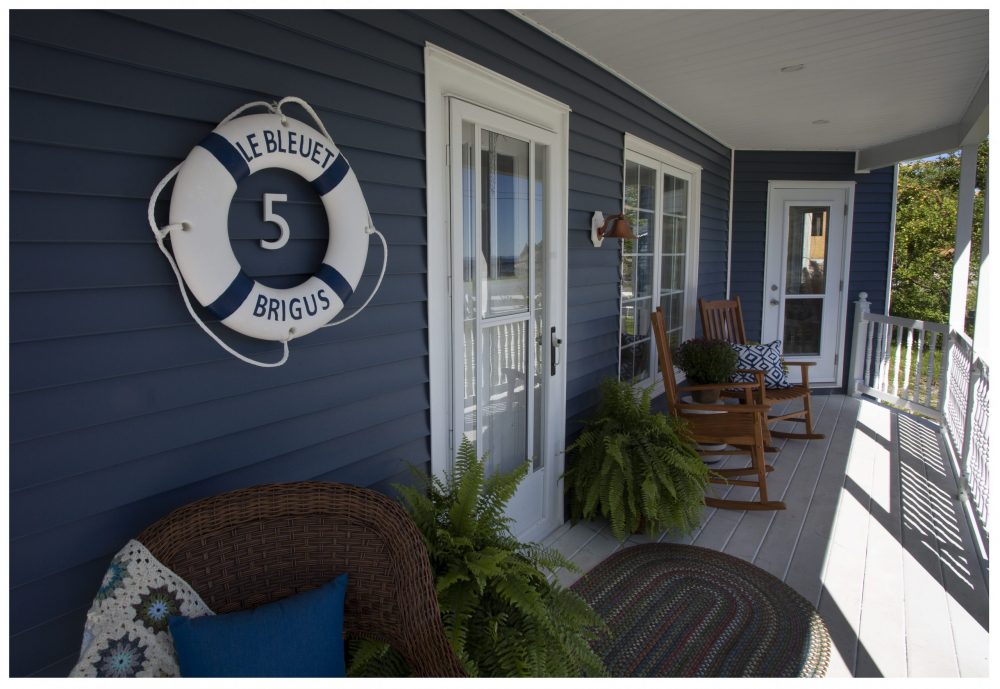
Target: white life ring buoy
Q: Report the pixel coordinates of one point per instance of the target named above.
(203, 192)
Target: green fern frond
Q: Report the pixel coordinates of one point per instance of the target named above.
(629, 464)
(500, 613)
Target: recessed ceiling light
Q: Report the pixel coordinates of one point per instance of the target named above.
(793, 68)
(821, 121)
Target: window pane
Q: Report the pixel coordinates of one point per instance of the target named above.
(635, 362)
(627, 366)
(630, 246)
(670, 231)
(673, 311)
(803, 326)
(504, 416)
(675, 195)
(635, 321)
(647, 188)
(674, 234)
(643, 229)
(643, 276)
(672, 273)
(632, 185)
(504, 241)
(808, 232)
(628, 276)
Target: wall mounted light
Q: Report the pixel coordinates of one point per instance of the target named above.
(615, 226)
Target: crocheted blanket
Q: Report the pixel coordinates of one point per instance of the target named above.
(126, 632)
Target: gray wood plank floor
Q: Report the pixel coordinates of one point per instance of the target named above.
(873, 535)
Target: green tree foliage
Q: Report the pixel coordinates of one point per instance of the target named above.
(502, 615)
(926, 215)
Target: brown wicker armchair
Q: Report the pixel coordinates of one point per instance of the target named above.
(253, 546)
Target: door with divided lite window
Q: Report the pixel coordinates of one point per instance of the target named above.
(808, 239)
(506, 296)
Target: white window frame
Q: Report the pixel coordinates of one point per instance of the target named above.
(642, 152)
(449, 75)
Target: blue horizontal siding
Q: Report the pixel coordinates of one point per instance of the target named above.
(121, 408)
(870, 242)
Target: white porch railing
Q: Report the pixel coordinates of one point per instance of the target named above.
(932, 370)
(898, 360)
(966, 421)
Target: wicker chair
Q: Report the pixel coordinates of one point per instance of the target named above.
(253, 546)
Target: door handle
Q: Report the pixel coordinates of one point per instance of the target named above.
(775, 302)
(554, 344)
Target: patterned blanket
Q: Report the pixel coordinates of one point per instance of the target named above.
(126, 633)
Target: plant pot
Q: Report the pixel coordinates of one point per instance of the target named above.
(710, 459)
(706, 396)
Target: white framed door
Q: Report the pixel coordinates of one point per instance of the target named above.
(806, 271)
(507, 303)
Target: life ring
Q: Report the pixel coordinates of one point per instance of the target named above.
(200, 202)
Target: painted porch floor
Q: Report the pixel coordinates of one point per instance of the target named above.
(872, 536)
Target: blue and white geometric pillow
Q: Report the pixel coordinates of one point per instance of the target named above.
(764, 357)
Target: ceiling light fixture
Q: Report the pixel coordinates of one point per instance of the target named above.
(793, 68)
(821, 121)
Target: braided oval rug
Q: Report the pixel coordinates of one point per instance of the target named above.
(684, 611)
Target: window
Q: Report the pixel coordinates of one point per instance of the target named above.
(659, 267)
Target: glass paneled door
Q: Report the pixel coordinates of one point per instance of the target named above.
(805, 276)
(506, 348)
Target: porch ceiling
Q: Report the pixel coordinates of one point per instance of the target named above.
(892, 84)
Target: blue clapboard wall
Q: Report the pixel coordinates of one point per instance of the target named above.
(871, 242)
(121, 407)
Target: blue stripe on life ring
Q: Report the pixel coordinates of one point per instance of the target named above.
(336, 281)
(234, 296)
(332, 176)
(226, 153)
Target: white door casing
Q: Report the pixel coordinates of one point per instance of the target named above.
(806, 273)
(455, 86)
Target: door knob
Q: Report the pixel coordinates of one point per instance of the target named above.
(774, 302)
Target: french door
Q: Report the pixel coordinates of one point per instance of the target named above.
(507, 293)
(806, 274)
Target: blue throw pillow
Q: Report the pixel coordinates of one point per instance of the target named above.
(300, 636)
(763, 357)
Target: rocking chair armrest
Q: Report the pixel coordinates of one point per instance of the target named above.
(798, 363)
(718, 386)
(724, 408)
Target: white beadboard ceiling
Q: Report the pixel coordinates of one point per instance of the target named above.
(891, 83)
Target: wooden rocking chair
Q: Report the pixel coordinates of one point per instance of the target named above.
(741, 426)
(723, 320)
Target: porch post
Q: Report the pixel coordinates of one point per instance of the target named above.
(963, 238)
(984, 326)
(858, 350)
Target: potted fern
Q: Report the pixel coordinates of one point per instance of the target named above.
(637, 469)
(706, 362)
(502, 615)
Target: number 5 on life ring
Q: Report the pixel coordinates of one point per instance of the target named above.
(202, 193)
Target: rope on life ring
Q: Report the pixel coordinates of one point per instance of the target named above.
(203, 258)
